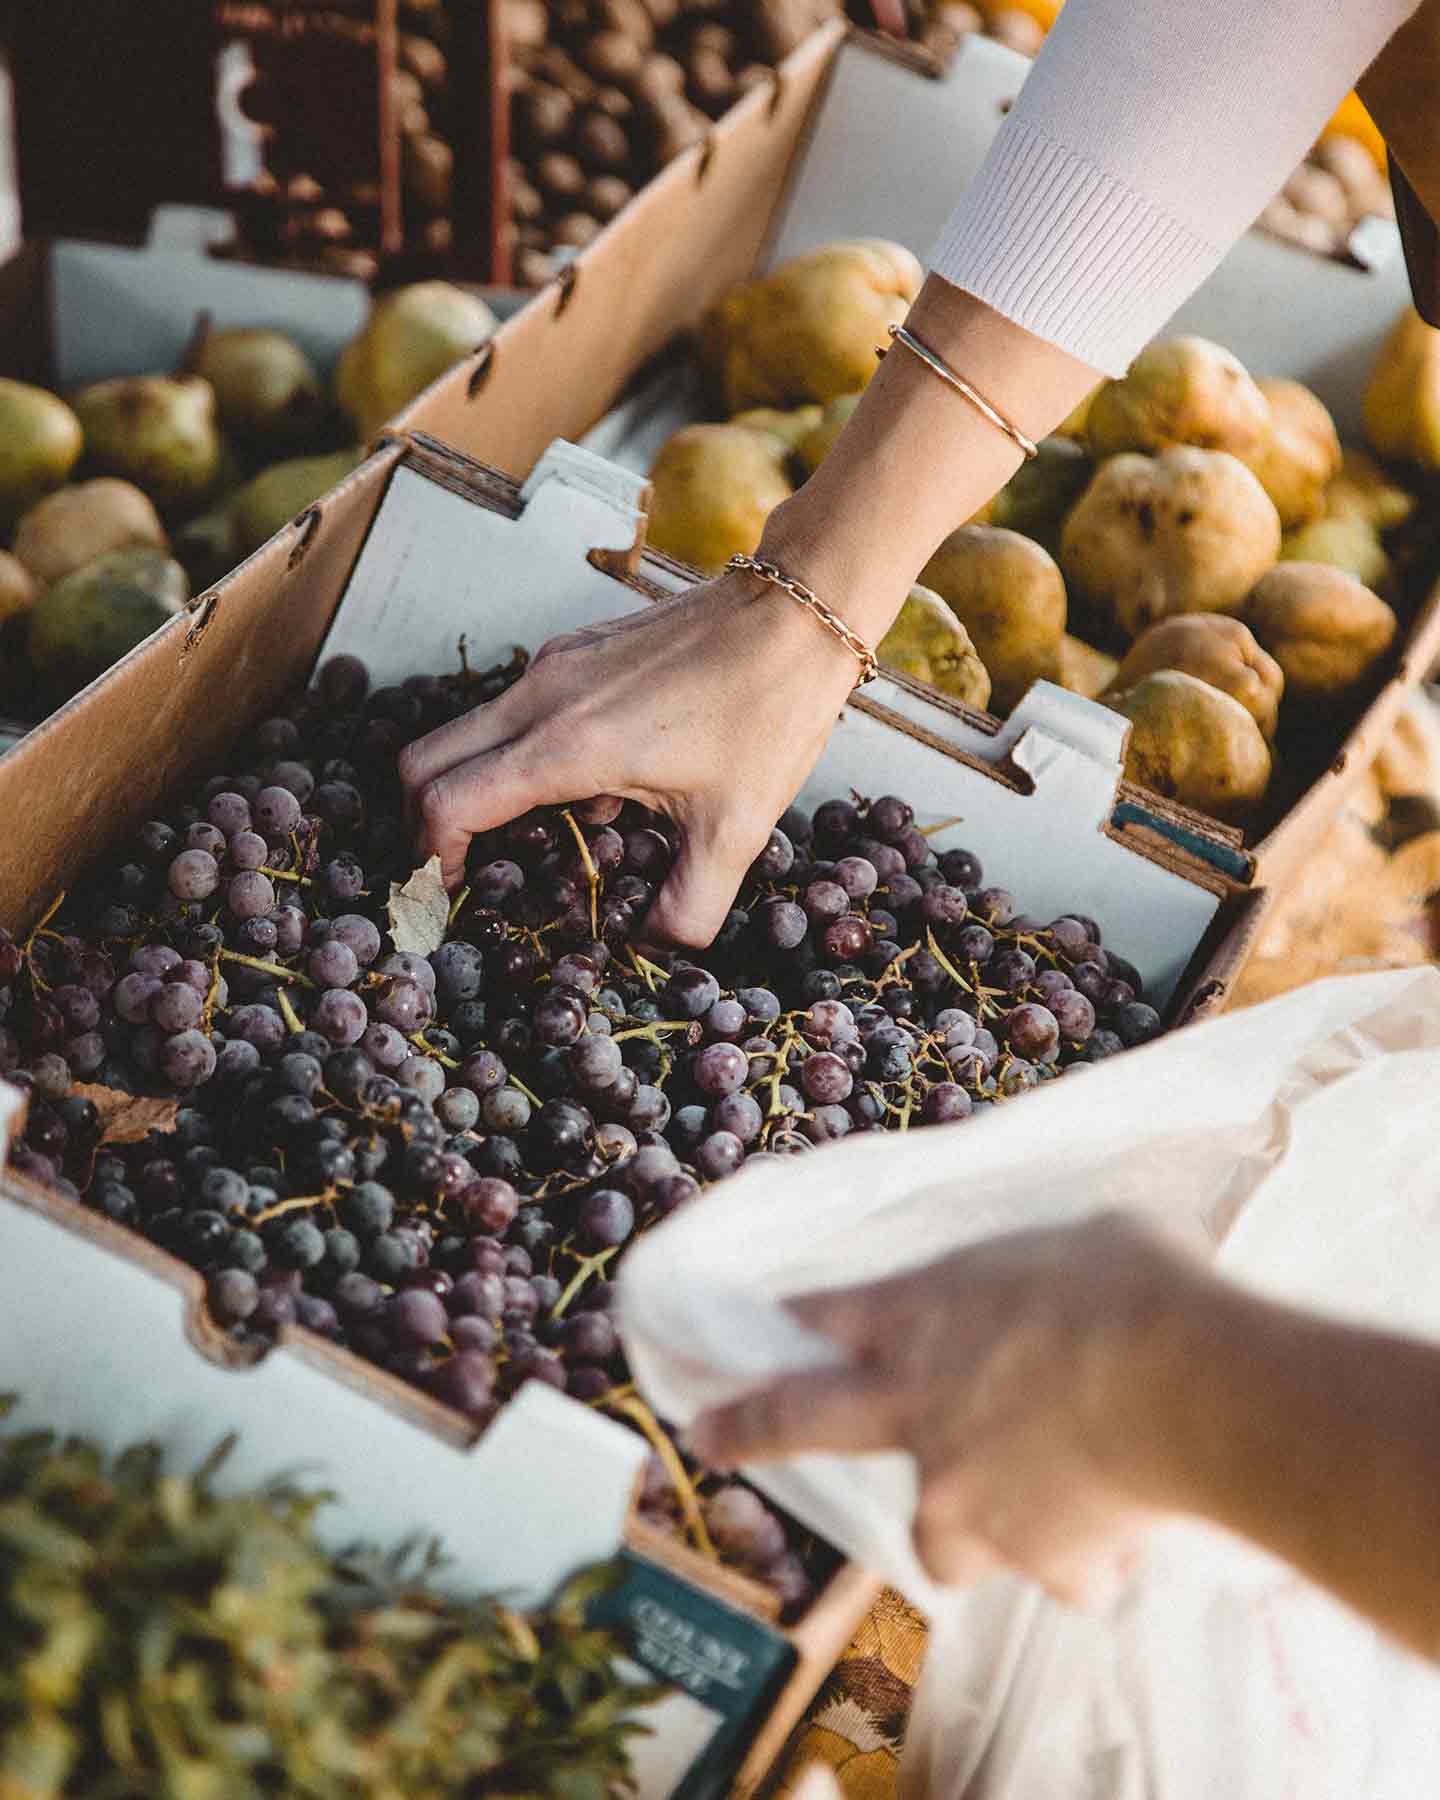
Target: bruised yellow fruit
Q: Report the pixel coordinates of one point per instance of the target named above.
(1009, 595)
(1084, 669)
(1362, 490)
(74, 525)
(1180, 390)
(928, 643)
(1039, 495)
(1184, 531)
(1299, 455)
(792, 427)
(158, 431)
(714, 486)
(1352, 545)
(815, 446)
(1326, 630)
(1193, 743)
(1402, 396)
(808, 331)
(17, 587)
(1214, 648)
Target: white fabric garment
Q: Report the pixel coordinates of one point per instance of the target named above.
(1145, 141)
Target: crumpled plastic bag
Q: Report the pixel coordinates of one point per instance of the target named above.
(1300, 1141)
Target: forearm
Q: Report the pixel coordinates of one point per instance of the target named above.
(917, 459)
(1317, 1440)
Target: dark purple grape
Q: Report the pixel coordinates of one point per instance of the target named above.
(719, 1155)
(604, 1218)
(187, 1059)
(1010, 968)
(944, 1103)
(825, 901)
(333, 964)
(1136, 1023)
(776, 860)
(595, 1064)
(826, 1078)
(466, 1381)
(1075, 1016)
(558, 1018)
(889, 816)
(943, 905)
(719, 1069)
(1032, 1033)
(847, 937)
(204, 836)
(194, 874)
(726, 1020)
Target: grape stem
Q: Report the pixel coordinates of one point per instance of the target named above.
(278, 970)
(418, 1040)
(592, 874)
(654, 1027)
(289, 1014)
(639, 1414)
(300, 1202)
(286, 875)
(942, 825)
(456, 905)
(514, 1081)
(212, 994)
(45, 918)
(589, 1265)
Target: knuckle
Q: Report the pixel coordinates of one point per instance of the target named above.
(436, 802)
(410, 764)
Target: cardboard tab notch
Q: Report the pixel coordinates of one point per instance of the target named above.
(567, 470)
(1056, 736)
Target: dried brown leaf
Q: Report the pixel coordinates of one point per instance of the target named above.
(127, 1118)
(419, 911)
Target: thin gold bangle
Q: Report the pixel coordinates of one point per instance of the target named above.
(941, 368)
(812, 603)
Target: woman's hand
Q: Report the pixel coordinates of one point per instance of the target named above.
(711, 708)
(1037, 1379)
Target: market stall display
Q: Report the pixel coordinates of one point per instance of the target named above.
(122, 497)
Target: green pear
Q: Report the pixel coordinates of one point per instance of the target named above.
(88, 620)
(213, 543)
(413, 335)
(158, 431)
(40, 442)
(266, 390)
(74, 525)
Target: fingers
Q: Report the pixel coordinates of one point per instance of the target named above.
(489, 790)
(471, 735)
(847, 1316)
(700, 888)
(829, 1409)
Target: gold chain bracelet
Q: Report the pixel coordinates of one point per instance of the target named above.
(812, 603)
(938, 366)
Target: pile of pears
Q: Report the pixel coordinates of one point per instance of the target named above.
(1193, 547)
(126, 497)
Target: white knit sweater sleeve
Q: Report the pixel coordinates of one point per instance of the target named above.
(1146, 139)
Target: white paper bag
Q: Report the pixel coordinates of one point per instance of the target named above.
(1300, 1140)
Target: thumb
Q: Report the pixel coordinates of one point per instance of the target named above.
(699, 890)
(490, 790)
(824, 1409)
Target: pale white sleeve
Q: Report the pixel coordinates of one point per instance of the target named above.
(1147, 137)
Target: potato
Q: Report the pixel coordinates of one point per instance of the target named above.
(928, 643)
(1008, 594)
(712, 489)
(1298, 455)
(1192, 743)
(1326, 630)
(1185, 531)
(1180, 390)
(1214, 648)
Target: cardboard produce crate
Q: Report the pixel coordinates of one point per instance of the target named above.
(859, 138)
(127, 1348)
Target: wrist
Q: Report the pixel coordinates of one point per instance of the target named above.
(864, 579)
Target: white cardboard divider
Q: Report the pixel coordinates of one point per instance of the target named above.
(438, 564)
(123, 311)
(94, 1344)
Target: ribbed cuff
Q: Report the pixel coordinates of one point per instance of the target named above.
(1068, 252)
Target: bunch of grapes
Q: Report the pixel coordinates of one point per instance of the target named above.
(437, 1161)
